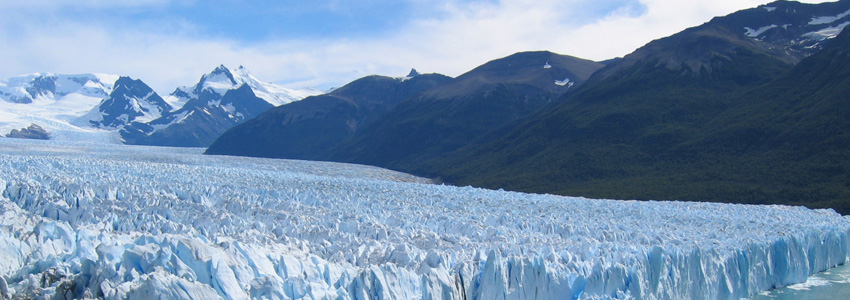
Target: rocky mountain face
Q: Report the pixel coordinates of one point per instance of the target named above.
(198, 122)
(33, 131)
(218, 102)
(130, 100)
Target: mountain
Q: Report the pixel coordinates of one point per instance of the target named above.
(199, 121)
(130, 100)
(388, 121)
(709, 114)
(785, 30)
(745, 108)
(220, 100)
(46, 87)
(54, 102)
(309, 128)
(799, 30)
(222, 79)
(789, 138)
(450, 116)
(98, 107)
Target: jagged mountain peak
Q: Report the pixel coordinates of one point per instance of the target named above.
(220, 80)
(125, 82)
(413, 73)
(223, 79)
(131, 100)
(410, 75)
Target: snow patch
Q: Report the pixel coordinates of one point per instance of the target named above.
(174, 119)
(566, 82)
(149, 110)
(828, 19)
(826, 33)
(769, 9)
(757, 32)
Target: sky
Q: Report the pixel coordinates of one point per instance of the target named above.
(324, 43)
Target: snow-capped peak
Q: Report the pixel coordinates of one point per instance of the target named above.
(220, 80)
(131, 100)
(223, 79)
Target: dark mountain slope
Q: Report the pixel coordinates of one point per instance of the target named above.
(732, 132)
(611, 138)
(786, 30)
(797, 29)
(790, 139)
(309, 128)
(477, 102)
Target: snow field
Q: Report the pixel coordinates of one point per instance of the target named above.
(126, 222)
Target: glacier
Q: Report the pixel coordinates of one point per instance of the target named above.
(133, 222)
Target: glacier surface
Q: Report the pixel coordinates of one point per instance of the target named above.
(131, 222)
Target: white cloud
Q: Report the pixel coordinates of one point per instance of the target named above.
(461, 36)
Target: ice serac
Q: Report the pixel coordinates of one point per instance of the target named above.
(191, 226)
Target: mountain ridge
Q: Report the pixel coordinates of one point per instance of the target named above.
(475, 103)
(92, 107)
(308, 128)
(648, 131)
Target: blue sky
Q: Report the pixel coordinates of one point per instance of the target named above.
(170, 43)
